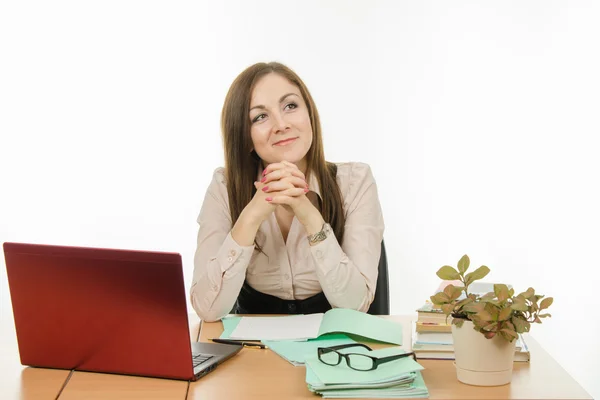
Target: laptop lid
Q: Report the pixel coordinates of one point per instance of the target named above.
(100, 310)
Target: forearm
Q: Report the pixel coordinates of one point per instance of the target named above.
(341, 280)
(218, 279)
(245, 228)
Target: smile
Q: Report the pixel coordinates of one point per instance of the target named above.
(285, 142)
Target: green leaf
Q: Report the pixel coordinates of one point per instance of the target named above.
(511, 334)
(483, 316)
(453, 292)
(501, 292)
(458, 322)
(474, 307)
(505, 314)
(439, 298)
(528, 293)
(520, 324)
(544, 315)
(463, 264)
(463, 302)
(519, 305)
(479, 273)
(448, 273)
(447, 308)
(493, 310)
(547, 302)
(493, 327)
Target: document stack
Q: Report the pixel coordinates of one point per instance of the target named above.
(396, 379)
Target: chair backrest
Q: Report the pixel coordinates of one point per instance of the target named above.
(381, 302)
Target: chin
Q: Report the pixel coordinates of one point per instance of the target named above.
(293, 157)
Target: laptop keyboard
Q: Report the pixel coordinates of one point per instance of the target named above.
(199, 358)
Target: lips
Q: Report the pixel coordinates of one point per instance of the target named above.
(285, 142)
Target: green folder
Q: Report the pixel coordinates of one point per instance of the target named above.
(342, 373)
(337, 320)
(296, 352)
(403, 380)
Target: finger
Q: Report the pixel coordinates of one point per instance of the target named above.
(295, 181)
(280, 174)
(273, 167)
(277, 186)
(290, 169)
(275, 176)
(285, 183)
(290, 164)
(293, 168)
(286, 196)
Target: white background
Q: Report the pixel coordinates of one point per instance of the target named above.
(480, 121)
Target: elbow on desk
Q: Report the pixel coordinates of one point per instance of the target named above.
(205, 313)
(360, 303)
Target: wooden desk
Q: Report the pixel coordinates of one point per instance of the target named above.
(17, 382)
(25, 383)
(263, 374)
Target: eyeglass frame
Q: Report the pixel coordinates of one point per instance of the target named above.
(376, 360)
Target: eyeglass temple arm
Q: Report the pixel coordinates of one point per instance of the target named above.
(395, 357)
(344, 346)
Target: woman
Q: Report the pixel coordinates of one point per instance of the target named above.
(281, 229)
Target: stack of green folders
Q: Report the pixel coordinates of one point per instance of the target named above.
(396, 379)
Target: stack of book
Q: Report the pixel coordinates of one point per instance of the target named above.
(432, 336)
(439, 346)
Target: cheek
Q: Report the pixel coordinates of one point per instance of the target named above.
(257, 134)
(302, 120)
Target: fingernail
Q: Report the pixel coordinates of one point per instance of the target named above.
(264, 172)
(265, 188)
(263, 179)
(306, 190)
(269, 199)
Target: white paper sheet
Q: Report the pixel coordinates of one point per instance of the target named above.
(297, 327)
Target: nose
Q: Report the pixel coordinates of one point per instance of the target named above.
(280, 125)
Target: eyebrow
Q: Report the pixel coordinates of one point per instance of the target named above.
(281, 99)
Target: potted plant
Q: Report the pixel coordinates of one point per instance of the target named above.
(485, 327)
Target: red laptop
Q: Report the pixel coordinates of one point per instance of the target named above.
(104, 310)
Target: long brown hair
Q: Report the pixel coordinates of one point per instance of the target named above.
(242, 163)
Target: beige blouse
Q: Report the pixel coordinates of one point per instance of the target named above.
(346, 274)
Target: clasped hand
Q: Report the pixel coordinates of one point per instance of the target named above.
(283, 184)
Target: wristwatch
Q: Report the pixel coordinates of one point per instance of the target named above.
(320, 236)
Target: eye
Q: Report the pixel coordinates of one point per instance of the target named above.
(259, 117)
(291, 106)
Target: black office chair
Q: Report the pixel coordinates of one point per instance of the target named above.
(381, 302)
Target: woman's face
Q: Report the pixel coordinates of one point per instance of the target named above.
(279, 122)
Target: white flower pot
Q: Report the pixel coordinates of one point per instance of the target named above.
(481, 361)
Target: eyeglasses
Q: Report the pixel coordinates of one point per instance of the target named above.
(356, 361)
